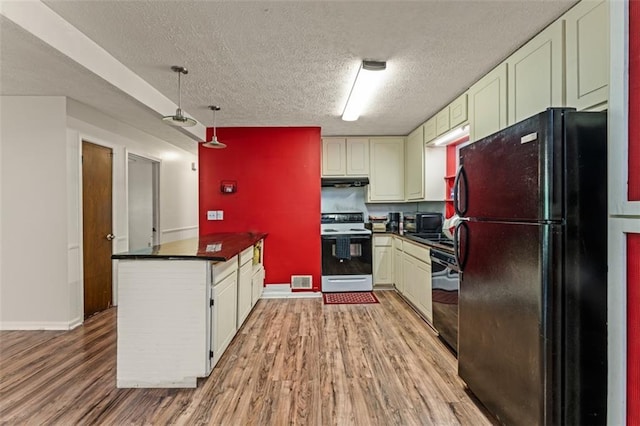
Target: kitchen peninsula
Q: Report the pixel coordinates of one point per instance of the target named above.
(180, 305)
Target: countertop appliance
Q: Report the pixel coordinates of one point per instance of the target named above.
(346, 252)
(423, 222)
(393, 225)
(532, 342)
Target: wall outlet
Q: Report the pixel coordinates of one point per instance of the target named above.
(212, 215)
(220, 214)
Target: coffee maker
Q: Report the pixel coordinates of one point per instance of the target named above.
(393, 224)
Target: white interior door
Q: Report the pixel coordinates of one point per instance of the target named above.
(142, 185)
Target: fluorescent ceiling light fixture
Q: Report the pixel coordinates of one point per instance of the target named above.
(179, 119)
(368, 78)
(452, 136)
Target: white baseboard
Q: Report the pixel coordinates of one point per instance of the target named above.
(283, 291)
(77, 322)
(35, 325)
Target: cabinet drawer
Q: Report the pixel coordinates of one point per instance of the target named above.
(418, 251)
(382, 240)
(221, 270)
(246, 255)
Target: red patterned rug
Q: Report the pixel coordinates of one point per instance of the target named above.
(351, 298)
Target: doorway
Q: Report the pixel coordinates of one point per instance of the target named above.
(97, 236)
(143, 188)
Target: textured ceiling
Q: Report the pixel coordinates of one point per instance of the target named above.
(278, 63)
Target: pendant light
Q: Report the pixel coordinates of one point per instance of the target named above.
(214, 143)
(179, 119)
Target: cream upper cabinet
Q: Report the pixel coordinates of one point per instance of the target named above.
(424, 169)
(536, 74)
(357, 157)
(442, 121)
(430, 132)
(458, 111)
(414, 165)
(488, 103)
(334, 152)
(386, 172)
(587, 44)
(345, 156)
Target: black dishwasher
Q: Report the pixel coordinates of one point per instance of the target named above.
(445, 285)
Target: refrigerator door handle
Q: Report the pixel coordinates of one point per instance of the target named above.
(461, 261)
(461, 176)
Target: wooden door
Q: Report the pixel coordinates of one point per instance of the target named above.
(97, 222)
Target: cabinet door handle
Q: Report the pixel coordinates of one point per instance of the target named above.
(110, 237)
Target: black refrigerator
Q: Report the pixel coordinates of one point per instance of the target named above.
(532, 343)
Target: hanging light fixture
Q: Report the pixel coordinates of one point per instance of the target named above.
(214, 142)
(179, 119)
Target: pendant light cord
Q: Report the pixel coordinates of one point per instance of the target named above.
(179, 92)
(214, 126)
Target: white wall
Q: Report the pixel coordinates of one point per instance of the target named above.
(33, 290)
(178, 183)
(40, 195)
(624, 216)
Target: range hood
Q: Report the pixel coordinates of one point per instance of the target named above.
(344, 182)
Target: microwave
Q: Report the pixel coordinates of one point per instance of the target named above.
(423, 222)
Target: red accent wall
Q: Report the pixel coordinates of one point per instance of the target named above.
(277, 171)
(634, 101)
(633, 329)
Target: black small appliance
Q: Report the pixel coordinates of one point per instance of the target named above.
(394, 222)
(429, 222)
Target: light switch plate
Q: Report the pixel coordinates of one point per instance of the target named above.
(211, 215)
(220, 214)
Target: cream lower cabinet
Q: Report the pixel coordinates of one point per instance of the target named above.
(397, 264)
(386, 169)
(587, 44)
(257, 284)
(224, 297)
(416, 270)
(382, 259)
(245, 293)
(488, 103)
(536, 74)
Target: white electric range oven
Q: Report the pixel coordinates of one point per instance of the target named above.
(346, 252)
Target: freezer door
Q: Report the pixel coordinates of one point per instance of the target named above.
(514, 174)
(506, 318)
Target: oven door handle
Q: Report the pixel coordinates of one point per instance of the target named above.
(352, 237)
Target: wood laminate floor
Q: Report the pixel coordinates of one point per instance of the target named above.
(295, 361)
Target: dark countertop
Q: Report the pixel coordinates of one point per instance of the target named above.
(218, 247)
(415, 239)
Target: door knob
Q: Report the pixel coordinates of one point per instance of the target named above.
(110, 237)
